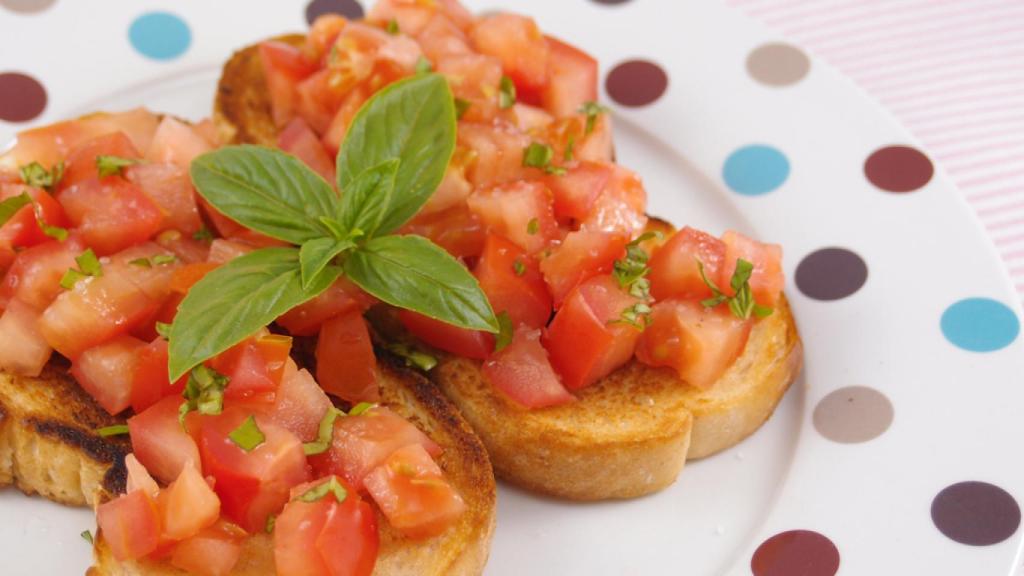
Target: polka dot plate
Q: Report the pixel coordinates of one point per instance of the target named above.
(898, 452)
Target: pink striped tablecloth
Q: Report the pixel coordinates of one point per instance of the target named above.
(951, 70)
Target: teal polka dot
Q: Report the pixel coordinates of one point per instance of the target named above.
(756, 169)
(980, 325)
(160, 35)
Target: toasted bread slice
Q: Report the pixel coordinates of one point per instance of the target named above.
(48, 443)
(461, 550)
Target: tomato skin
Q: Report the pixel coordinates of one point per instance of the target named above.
(170, 187)
(767, 279)
(341, 298)
(580, 256)
(576, 191)
(300, 404)
(585, 341)
(160, 443)
(474, 344)
(212, 552)
(361, 443)
(345, 363)
(107, 371)
(522, 212)
(298, 139)
(130, 525)
(698, 343)
(22, 229)
(523, 373)
(518, 43)
(23, 349)
(81, 162)
(572, 79)
(674, 270)
(523, 296)
(456, 229)
(34, 277)
(151, 383)
(413, 494)
(111, 213)
(251, 485)
(188, 505)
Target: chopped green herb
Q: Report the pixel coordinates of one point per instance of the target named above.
(423, 65)
(506, 332)
(112, 165)
(56, 232)
(204, 392)
(592, 110)
(461, 107)
(570, 149)
(87, 536)
(271, 522)
(89, 263)
(506, 93)
(539, 156)
(248, 435)
(392, 27)
(638, 316)
(519, 268)
(163, 330)
(11, 206)
(742, 304)
(324, 433)
(115, 430)
(361, 408)
(70, 278)
(141, 263)
(37, 176)
(161, 259)
(317, 493)
(413, 357)
(532, 227)
(334, 56)
(203, 235)
(631, 271)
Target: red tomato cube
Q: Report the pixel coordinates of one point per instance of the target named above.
(130, 525)
(674, 270)
(212, 552)
(188, 505)
(81, 162)
(513, 283)
(106, 372)
(576, 192)
(522, 212)
(170, 186)
(767, 279)
(34, 277)
(159, 441)
(23, 349)
(345, 362)
(111, 214)
(475, 344)
(580, 256)
(523, 373)
(298, 139)
(572, 81)
(300, 404)
(176, 143)
(521, 47)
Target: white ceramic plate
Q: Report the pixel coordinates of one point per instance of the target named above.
(957, 412)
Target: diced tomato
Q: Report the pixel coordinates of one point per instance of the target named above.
(223, 251)
(130, 525)
(176, 143)
(474, 344)
(338, 127)
(674, 270)
(23, 349)
(224, 226)
(326, 537)
(22, 229)
(111, 213)
(523, 373)
(255, 484)
(413, 494)
(159, 441)
(513, 283)
(521, 212)
(188, 505)
(586, 340)
(580, 256)
(106, 372)
(291, 59)
(453, 190)
(81, 162)
(320, 96)
(188, 275)
(284, 66)
(345, 363)
(441, 38)
(34, 277)
(767, 279)
(411, 17)
(621, 208)
(139, 478)
(698, 343)
(361, 443)
(300, 404)
(187, 249)
(498, 150)
(254, 366)
(170, 186)
(151, 382)
(529, 119)
(473, 77)
(577, 191)
(456, 229)
(212, 552)
(322, 35)
(572, 79)
(519, 44)
(342, 297)
(298, 139)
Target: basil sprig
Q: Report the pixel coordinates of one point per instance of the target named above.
(742, 303)
(393, 158)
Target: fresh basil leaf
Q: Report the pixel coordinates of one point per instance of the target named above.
(317, 493)
(316, 255)
(204, 392)
(115, 430)
(56, 232)
(237, 299)
(365, 203)
(506, 93)
(410, 272)
(37, 176)
(248, 435)
(87, 536)
(506, 331)
(89, 263)
(413, 121)
(266, 190)
(107, 165)
(413, 358)
(361, 408)
(325, 433)
(10, 206)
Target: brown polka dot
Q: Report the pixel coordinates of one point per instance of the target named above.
(778, 64)
(27, 6)
(831, 274)
(796, 553)
(350, 9)
(22, 97)
(636, 82)
(976, 513)
(898, 169)
(853, 414)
